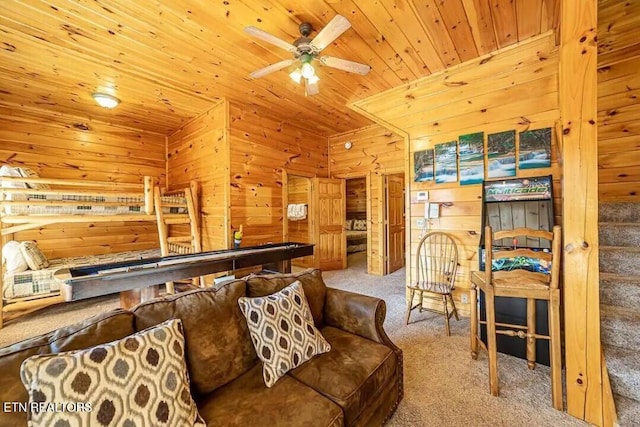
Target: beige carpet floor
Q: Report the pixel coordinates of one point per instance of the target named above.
(443, 385)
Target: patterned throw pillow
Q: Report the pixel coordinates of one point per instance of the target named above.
(140, 380)
(282, 331)
(349, 224)
(360, 224)
(36, 260)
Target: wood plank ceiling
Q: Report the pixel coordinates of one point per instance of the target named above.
(170, 60)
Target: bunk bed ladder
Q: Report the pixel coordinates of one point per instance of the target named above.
(182, 243)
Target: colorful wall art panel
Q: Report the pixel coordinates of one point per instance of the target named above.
(446, 162)
(501, 154)
(471, 158)
(423, 165)
(535, 149)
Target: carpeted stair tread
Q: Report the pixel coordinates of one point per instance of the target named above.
(620, 326)
(620, 290)
(628, 411)
(619, 212)
(624, 371)
(620, 234)
(620, 260)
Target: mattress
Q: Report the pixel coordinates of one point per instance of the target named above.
(85, 205)
(356, 241)
(41, 282)
(355, 235)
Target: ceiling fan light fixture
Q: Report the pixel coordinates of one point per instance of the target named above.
(296, 75)
(313, 79)
(308, 71)
(105, 100)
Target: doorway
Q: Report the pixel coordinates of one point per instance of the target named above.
(357, 224)
(394, 222)
(297, 226)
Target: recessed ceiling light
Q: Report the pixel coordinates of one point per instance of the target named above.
(105, 100)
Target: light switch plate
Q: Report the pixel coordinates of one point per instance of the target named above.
(434, 210)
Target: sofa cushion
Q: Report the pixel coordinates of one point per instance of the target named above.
(351, 374)
(314, 288)
(247, 402)
(282, 331)
(96, 330)
(138, 380)
(217, 339)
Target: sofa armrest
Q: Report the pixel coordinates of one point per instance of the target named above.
(359, 314)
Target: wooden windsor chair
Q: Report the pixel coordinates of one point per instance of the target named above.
(520, 283)
(436, 263)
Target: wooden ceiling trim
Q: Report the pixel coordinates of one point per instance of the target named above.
(411, 26)
(529, 16)
(380, 46)
(458, 26)
(481, 22)
(505, 21)
(433, 24)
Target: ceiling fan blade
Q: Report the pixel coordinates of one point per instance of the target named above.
(271, 68)
(269, 38)
(345, 65)
(338, 25)
(311, 88)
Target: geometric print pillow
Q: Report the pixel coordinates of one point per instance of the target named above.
(140, 380)
(282, 331)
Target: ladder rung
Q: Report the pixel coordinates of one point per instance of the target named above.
(174, 205)
(176, 220)
(179, 239)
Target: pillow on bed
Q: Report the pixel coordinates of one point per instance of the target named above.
(30, 173)
(349, 224)
(13, 259)
(360, 225)
(36, 260)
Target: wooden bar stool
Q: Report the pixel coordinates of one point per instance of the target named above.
(520, 283)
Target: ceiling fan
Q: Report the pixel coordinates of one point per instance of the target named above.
(305, 51)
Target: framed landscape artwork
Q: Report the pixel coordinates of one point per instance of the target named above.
(471, 158)
(535, 149)
(446, 162)
(423, 165)
(501, 154)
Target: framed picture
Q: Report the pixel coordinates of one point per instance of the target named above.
(471, 148)
(446, 159)
(535, 149)
(423, 165)
(501, 154)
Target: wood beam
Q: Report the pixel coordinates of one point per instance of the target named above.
(578, 106)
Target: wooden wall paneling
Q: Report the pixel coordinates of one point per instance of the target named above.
(356, 194)
(200, 151)
(578, 103)
(55, 148)
(261, 146)
(454, 102)
(618, 105)
(529, 16)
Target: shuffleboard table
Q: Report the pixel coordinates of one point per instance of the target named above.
(137, 280)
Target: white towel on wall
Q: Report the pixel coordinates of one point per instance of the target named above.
(297, 212)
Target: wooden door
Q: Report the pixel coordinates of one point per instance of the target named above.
(329, 216)
(394, 221)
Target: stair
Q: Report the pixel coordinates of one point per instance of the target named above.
(620, 305)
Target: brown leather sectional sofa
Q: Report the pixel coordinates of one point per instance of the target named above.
(357, 383)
